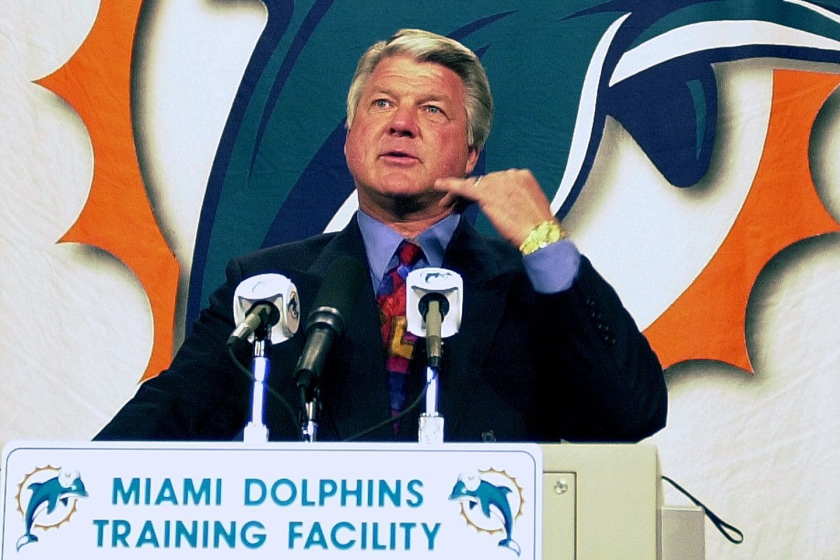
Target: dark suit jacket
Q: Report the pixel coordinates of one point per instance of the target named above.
(524, 366)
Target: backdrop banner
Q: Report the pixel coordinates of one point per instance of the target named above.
(688, 146)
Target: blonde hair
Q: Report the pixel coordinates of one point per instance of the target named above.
(424, 46)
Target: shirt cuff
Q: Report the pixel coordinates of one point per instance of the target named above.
(553, 268)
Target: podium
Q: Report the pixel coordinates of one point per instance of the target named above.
(226, 500)
(601, 501)
(605, 502)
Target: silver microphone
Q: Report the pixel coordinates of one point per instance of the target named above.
(434, 304)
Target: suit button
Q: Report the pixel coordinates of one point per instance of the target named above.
(488, 437)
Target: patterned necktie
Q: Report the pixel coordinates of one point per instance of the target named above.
(399, 343)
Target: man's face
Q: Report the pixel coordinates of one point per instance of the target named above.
(410, 128)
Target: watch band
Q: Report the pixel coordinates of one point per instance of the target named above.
(545, 233)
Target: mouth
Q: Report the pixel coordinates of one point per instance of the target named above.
(399, 157)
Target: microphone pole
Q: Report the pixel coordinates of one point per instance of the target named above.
(431, 422)
(431, 293)
(260, 303)
(256, 430)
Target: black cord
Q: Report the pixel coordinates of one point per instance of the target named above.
(719, 523)
(396, 418)
(271, 390)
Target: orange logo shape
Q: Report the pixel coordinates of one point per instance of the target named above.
(117, 216)
(708, 320)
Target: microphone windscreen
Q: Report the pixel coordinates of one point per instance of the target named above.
(445, 285)
(340, 288)
(269, 293)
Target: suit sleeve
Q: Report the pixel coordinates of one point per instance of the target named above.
(600, 380)
(192, 398)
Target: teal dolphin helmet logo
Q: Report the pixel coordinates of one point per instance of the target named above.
(558, 71)
(491, 501)
(46, 499)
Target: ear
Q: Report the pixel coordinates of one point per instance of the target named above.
(472, 159)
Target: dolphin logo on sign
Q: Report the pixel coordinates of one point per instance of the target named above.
(49, 487)
(493, 501)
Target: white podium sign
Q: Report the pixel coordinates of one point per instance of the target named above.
(190, 500)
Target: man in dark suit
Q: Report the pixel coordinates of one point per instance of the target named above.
(545, 351)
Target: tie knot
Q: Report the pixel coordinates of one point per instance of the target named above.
(409, 253)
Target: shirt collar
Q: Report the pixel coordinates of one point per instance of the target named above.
(381, 242)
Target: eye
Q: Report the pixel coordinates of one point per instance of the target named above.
(381, 103)
(435, 113)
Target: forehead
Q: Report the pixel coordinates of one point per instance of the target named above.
(405, 75)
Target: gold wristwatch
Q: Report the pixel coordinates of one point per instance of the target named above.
(546, 233)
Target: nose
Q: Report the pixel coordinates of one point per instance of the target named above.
(403, 123)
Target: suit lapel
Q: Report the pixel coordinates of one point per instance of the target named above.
(485, 269)
(354, 388)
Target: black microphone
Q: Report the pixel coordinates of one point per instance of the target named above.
(328, 319)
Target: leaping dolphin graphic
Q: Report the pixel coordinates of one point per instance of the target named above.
(647, 65)
(49, 493)
(471, 489)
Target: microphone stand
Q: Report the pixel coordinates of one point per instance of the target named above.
(311, 408)
(431, 422)
(256, 431)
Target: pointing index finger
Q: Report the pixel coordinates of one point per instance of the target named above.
(456, 185)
